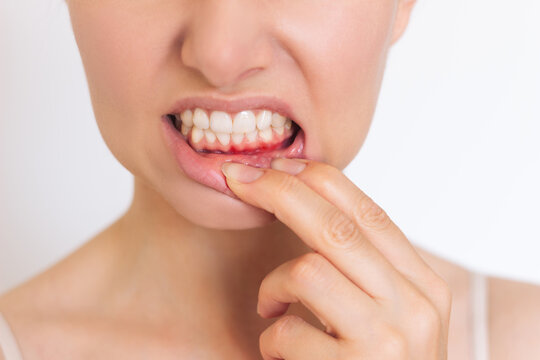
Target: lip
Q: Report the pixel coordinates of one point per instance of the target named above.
(205, 168)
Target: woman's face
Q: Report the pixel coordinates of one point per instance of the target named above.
(319, 62)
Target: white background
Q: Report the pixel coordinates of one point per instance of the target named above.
(453, 154)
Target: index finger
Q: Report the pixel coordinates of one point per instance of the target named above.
(320, 224)
(372, 220)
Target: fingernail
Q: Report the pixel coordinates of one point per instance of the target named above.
(290, 166)
(240, 172)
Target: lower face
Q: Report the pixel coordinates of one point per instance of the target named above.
(148, 62)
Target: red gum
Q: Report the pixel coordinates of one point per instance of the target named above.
(246, 147)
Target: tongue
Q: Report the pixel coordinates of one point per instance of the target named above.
(246, 146)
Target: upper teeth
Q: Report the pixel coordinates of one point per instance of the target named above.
(223, 125)
(244, 122)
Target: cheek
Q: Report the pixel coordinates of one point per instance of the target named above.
(113, 59)
(344, 61)
(352, 88)
(120, 62)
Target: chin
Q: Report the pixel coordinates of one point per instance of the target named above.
(206, 207)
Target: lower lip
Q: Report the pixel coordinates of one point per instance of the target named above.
(206, 168)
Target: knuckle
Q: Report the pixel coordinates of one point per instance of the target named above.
(308, 269)
(327, 175)
(284, 327)
(393, 345)
(442, 293)
(340, 231)
(285, 184)
(425, 319)
(369, 214)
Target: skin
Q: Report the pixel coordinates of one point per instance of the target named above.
(183, 271)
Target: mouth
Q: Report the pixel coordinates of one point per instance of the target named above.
(204, 134)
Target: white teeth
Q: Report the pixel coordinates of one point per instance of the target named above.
(278, 120)
(185, 129)
(237, 138)
(196, 134)
(266, 134)
(200, 119)
(223, 138)
(210, 136)
(244, 122)
(187, 118)
(221, 122)
(222, 127)
(252, 136)
(288, 124)
(264, 119)
(279, 130)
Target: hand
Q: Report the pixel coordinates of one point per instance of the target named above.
(364, 281)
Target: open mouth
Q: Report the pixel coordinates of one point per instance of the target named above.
(203, 140)
(246, 133)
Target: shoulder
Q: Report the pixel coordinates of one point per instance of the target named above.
(37, 308)
(514, 319)
(66, 284)
(513, 312)
(21, 306)
(9, 312)
(30, 296)
(40, 317)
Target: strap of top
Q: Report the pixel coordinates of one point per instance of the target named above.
(8, 344)
(479, 306)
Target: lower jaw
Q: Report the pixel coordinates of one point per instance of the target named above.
(205, 168)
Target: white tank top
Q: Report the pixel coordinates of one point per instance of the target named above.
(479, 351)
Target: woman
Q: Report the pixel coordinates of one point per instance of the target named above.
(207, 259)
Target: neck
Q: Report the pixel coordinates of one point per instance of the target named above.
(174, 265)
(178, 270)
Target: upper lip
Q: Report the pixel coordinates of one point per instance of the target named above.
(232, 106)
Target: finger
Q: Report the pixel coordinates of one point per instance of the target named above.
(315, 282)
(372, 220)
(320, 224)
(292, 338)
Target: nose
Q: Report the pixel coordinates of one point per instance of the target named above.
(225, 41)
